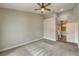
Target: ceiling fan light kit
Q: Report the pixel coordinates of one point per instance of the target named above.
(42, 9)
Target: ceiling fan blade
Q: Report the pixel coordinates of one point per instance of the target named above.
(47, 9)
(39, 4)
(47, 4)
(37, 9)
(42, 4)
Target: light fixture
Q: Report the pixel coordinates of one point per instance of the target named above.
(42, 9)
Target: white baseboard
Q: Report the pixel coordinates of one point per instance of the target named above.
(49, 39)
(5, 49)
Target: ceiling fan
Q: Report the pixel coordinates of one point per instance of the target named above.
(43, 7)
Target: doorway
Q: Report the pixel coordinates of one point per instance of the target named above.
(61, 30)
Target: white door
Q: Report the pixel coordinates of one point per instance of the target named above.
(72, 32)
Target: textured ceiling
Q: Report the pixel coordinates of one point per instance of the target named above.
(29, 7)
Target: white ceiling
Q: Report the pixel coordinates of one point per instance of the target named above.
(29, 7)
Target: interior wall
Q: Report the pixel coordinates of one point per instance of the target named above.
(50, 27)
(18, 27)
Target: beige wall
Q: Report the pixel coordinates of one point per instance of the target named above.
(18, 27)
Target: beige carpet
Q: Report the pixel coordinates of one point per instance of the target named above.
(44, 48)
